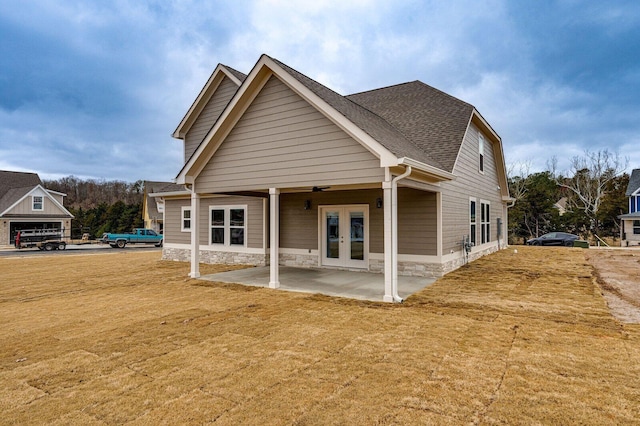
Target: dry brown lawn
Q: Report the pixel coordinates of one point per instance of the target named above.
(124, 338)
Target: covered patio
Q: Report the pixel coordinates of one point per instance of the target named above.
(331, 282)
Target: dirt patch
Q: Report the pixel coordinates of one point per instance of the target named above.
(512, 338)
(618, 274)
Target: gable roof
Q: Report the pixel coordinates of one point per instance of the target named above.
(219, 73)
(367, 120)
(406, 124)
(14, 186)
(634, 182)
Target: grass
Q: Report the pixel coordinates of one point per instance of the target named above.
(124, 338)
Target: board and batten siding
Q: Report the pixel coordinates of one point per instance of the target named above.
(416, 219)
(173, 218)
(470, 182)
(208, 116)
(282, 141)
(25, 207)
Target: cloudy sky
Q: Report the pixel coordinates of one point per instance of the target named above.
(95, 89)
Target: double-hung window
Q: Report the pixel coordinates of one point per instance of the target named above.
(636, 227)
(485, 222)
(228, 225)
(38, 203)
(472, 221)
(186, 219)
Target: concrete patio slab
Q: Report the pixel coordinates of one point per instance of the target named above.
(331, 282)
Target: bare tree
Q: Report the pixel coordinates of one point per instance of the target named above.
(518, 179)
(587, 180)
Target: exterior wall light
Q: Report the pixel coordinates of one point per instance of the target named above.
(307, 204)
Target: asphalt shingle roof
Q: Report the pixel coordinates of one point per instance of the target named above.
(634, 182)
(433, 120)
(368, 120)
(237, 74)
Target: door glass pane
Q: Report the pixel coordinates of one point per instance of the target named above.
(333, 235)
(357, 235)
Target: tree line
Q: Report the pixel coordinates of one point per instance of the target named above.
(585, 200)
(100, 206)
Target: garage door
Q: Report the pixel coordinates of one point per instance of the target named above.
(19, 226)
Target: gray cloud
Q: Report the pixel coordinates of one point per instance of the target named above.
(95, 89)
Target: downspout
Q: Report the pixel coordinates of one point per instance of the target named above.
(394, 232)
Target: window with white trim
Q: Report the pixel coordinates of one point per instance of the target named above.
(38, 203)
(228, 225)
(472, 221)
(485, 222)
(185, 219)
(481, 153)
(636, 227)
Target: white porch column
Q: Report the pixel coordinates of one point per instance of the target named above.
(388, 242)
(274, 237)
(195, 233)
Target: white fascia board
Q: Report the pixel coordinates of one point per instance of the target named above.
(184, 177)
(426, 168)
(636, 192)
(46, 193)
(179, 133)
(387, 158)
(50, 191)
(188, 173)
(168, 194)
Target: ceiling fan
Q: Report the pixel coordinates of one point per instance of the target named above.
(319, 188)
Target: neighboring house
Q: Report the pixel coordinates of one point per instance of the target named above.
(278, 166)
(630, 229)
(26, 204)
(561, 206)
(153, 207)
(153, 204)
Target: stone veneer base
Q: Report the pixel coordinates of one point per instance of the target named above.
(213, 257)
(413, 269)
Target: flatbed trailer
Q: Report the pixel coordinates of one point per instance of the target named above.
(43, 239)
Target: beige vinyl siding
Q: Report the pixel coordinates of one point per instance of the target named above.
(470, 182)
(173, 218)
(282, 141)
(254, 219)
(25, 207)
(172, 221)
(417, 224)
(416, 219)
(208, 116)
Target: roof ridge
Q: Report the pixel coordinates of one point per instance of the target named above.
(414, 82)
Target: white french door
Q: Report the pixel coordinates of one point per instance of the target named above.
(344, 236)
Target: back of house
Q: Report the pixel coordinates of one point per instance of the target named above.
(401, 180)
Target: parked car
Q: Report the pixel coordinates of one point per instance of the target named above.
(138, 236)
(553, 239)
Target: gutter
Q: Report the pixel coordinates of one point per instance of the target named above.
(434, 171)
(394, 232)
